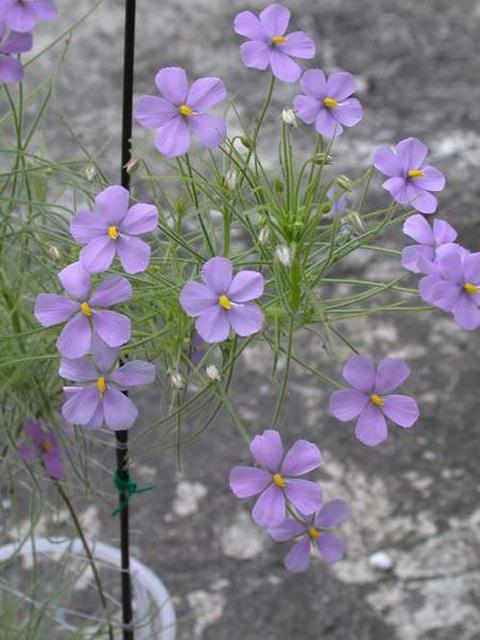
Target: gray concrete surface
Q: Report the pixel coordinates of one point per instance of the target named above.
(417, 497)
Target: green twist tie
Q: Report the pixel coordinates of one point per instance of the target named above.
(126, 485)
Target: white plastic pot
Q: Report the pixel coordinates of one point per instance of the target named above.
(149, 592)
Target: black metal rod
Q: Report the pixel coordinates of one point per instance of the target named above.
(122, 436)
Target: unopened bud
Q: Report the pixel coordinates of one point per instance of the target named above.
(213, 373)
(356, 221)
(284, 255)
(289, 117)
(322, 158)
(231, 179)
(132, 165)
(91, 173)
(54, 252)
(247, 143)
(177, 380)
(345, 183)
(180, 207)
(264, 235)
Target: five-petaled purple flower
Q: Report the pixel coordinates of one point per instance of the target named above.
(224, 301)
(22, 15)
(110, 230)
(181, 111)
(410, 179)
(277, 481)
(429, 240)
(310, 534)
(84, 311)
(327, 102)
(371, 399)
(453, 284)
(42, 444)
(99, 400)
(12, 42)
(269, 46)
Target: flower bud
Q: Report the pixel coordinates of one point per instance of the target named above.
(264, 235)
(284, 255)
(322, 158)
(91, 173)
(231, 179)
(54, 252)
(213, 373)
(180, 207)
(345, 183)
(289, 117)
(132, 165)
(356, 221)
(177, 380)
(247, 142)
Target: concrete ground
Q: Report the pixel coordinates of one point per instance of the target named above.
(415, 498)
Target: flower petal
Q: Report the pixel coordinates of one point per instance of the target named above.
(74, 341)
(267, 449)
(152, 112)
(17, 43)
(217, 274)
(246, 482)
(314, 84)
(283, 67)
(173, 84)
(391, 373)
(98, 254)
(371, 428)
(443, 232)
(51, 309)
(113, 290)
(255, 54)
(141, 218)
(246, 286)
(432, 180)
(245, 319)
(330, 547)
(210, 130)
(411, 153)
(247, 24)
(133, 253)
(341, 85)
(418, 228)
(332, 514)
(298, 558)
(196, 297)
(421, 200)
(78, 370)
(20, 18)
(305, 495)
(11, 70)
(112, 204)
(119, 411)
(298, 45)
(287, 530)
(76, 280)
(275, 19)
(402, 410)
(205, 93)
(387, 162)
(213, 325)
(44, 9)
(397, 187)
(346, 404)
(81, 405)
(54, 465)
(415, 256)
(326, 124)
(133, 373)
(112, 327)
(306, 108)
(349, 112)
(466, 313)
(359, 371)
(173, 139)
(269, 510)
(303, 456)
(87, 225)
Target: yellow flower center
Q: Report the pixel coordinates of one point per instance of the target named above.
(86, 309)
(224, 302)
(471, 288)
(416, 173)
(185, 110)
(313, 533)
(46, 446)
(278, 39)
(279, 480)
(113, 232)
(378, 400)
(331, 103)
(101, 386)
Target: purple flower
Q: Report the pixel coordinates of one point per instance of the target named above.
(110, 230)
(22, 15)
(410, 179)
(99, 400)
(327, 103)
(277, 481)
(85, 312)
(223, 301)
(42, 444)
(453, 284)
(269, 46)
(310, 535)
(11, 42)
(371, 399)
(181, 111)
(429, 240)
